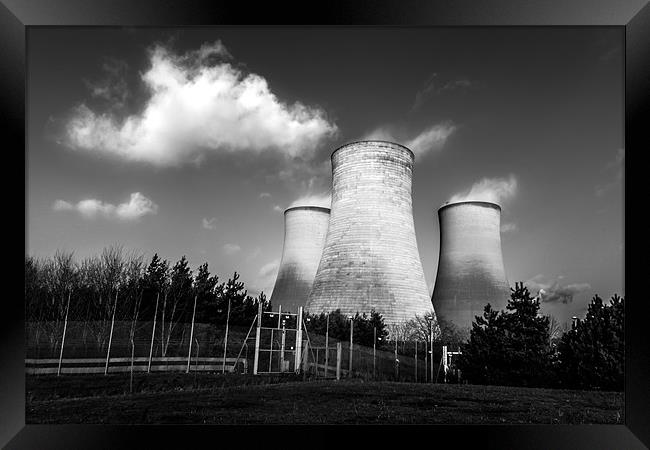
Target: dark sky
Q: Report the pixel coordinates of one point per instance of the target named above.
(193, 141)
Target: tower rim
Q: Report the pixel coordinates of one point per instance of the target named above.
(362, 141)
(309, 207)
(471, 202)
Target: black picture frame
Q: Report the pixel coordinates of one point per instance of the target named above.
(634, 15)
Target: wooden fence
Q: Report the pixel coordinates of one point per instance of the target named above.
(140, 364)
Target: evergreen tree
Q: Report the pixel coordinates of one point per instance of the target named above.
(155, 282)
(591, 355)
(509, 347)
(205, 288)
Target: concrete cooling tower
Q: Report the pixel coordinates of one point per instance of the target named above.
(370, 259)
(470, 266)
(305, 228)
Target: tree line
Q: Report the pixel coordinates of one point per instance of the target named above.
(520, 347)
(122, 285)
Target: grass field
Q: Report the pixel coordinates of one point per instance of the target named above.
(232, 399)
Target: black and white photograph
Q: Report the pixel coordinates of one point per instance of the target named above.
(326, 225)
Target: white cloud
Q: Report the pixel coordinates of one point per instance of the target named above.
(616, 164)
(113, 87)
(508, 227)
(433, 87)
(277, 208)
(200, 104)
(495, 190)
(265, 195)
(231, 249)
(324, 200)
(209, 224)
(137, 207)
(432, 138)
(266, 276)
(254, 254)
(553, 291)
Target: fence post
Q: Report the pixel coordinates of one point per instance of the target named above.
(351, 346)
(257, 338)
(374, 350)
(225, 342)
(396, 362)
(444, 361)
(305, 360)
(426, 362)
(153, 332)
(189, 351)
(327, 349)
(298, 354)
(110, 338)
(282, 343)
(431, 345)
(338, 361)
(416, 361)
(65, 328)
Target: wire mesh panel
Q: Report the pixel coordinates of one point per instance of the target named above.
(277, 342)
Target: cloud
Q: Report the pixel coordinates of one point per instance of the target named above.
(209, 224)
(616, 165)
(277, 208)
(324, 200)
(552, 291)
(137, 207)
(266, 276)
(199, 104)
(113, 87)
(231, 249)
(432, 138)
(508, 227)
(254, 254)
(265, 195)
(433, 87)
(495, 190)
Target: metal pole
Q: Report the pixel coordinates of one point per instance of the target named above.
(426, 365)
(396, 361)
(132, 357)
(225, 342)
(257, 338)
(327, 349)
(297, 356)
(110, 338)
(153, 332)
(282, 340)
(431, 345)
(65, 328)
(416, 361)
(374, 350)
(338, 361)
(444, 361)
(189, 350)
(351, 346)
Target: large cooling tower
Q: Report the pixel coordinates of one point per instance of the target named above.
(370, 259)
(470, 266)
(305, 228)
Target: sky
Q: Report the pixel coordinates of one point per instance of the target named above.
(194, 141)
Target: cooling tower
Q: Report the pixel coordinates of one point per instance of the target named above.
(470, 265)
(370, 259)
(305, 228)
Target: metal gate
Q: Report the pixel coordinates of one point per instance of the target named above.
(278, 342)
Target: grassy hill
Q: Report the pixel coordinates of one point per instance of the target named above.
(231, 399)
